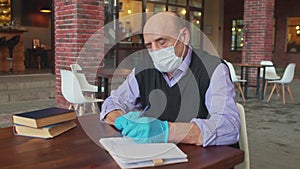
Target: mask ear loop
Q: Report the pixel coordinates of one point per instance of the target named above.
(182, 52)
(177, 38)
(183, 44)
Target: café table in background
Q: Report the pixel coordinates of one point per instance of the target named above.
(80, 148)
(38, 55)
(245, 68)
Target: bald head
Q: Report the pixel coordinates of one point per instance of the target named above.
(166, 29)
(167, 23)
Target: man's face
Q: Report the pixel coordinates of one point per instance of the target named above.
(154, 42)
(162, 31)
(158, 41)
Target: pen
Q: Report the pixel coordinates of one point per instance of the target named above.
(144, 111)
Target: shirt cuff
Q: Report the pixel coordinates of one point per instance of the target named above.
(107, 107)
(209, 137)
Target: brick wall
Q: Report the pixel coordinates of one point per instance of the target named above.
(233, 9)
(258, 20)
(76, 22)
(258, 25)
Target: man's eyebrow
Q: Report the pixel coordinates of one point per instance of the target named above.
(156, 40)
(147, 43)
(160, 38)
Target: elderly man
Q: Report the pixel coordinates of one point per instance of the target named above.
(189, 92)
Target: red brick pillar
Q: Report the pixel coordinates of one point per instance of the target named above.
(258, 25)
(76, 22)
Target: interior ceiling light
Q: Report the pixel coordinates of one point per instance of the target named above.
(45, 10)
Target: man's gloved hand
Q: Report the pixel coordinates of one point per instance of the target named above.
(123, 120)
(143, 129)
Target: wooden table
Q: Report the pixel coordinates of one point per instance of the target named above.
(257, 66)
(40, 55)
(105, 74)
(75, 149)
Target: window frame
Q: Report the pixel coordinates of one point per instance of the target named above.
(289, 35)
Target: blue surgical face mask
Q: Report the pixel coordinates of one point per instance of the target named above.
(165, 60)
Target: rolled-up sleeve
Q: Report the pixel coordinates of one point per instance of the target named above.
(124, 98)
(223, 125)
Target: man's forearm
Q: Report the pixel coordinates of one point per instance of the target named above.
(111, 117)
(188, 133)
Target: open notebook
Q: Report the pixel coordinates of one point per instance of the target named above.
(129, 154)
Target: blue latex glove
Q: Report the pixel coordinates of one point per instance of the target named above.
(143, 129)
(122, 121)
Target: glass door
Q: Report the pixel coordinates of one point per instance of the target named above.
(111, 8)
(195, 18)
(127, 27)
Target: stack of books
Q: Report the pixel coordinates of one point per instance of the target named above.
(44, 123)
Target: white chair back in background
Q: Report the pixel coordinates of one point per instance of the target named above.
(232, 71)
(235, 80)
(243, 139)
(75, 67)
(72, 92)
(288, 74)
(70, 88)
(270, 73)
(84, 84)
(286, 79)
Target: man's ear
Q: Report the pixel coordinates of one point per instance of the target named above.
(186, 36)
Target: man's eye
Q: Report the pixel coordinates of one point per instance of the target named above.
(148, 46)
(162, 42)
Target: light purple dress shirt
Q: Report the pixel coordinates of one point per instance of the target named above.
(223, 125)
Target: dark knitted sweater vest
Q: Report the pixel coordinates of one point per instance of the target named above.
(186, 99)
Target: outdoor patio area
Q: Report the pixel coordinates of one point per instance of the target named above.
(273, 128)
(274, 132)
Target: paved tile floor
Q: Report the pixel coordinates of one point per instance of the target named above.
(273, 129)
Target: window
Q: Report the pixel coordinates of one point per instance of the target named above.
(153, 7)
(178, 2)
(196, 19)
(181, 11)
(293, 34)
(237, 41)
(237, 35)
(196, 3)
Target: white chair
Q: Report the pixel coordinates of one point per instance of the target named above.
(270, 73)
(72, 92)
(86, 87)
(243, 139)
(286, 79)
(84, 84)
(235, 80)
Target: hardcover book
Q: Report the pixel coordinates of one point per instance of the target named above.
(44, 132)
(44, 117)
